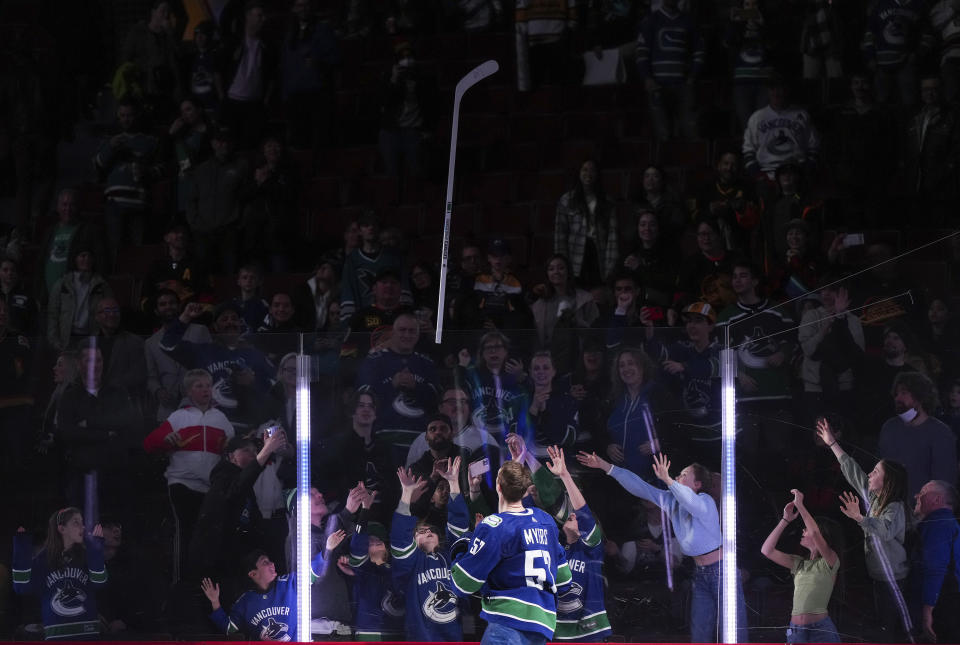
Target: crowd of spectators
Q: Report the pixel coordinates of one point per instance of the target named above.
(175, 416)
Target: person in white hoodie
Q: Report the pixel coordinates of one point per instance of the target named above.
(194, 436)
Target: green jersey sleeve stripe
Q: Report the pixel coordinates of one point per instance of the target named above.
(457, 530)
(98, 577)
(585, 626)
(464, 581)
(563, 574)
(358, 562)
(22, 575)
(405, 552)
(594, 537)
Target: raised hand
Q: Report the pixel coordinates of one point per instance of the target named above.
(97, 531)
(211, 591)
(335, 538)
(355, 497)
(850, 506)
(797, 498)
(790, 512)
(825, 432)
(591, 460)
(343, 563)
(517, 447)
(450, 470)
(407, 479)
(556, 464)
(661, 468)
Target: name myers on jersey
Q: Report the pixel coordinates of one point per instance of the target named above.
(536, 536)
(437, 573)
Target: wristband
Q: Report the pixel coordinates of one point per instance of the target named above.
(831, 445)
(611, 469)
(783, 519)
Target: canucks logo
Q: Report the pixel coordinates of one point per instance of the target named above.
(392, 605)
(274, 631)
(569, 601)
(440, 605)
(68, 600)
(405, 406)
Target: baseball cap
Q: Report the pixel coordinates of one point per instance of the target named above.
(224, 307)
(498, 247)
(702, 309)
(235, 443)
(378, 530)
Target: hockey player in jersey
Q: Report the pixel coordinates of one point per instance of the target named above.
(517, 564)
(268, 611)
(421, 566)
(581, 612)
(66, 573)
(379, 608)
(696, 525)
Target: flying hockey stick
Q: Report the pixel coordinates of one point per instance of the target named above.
(474, 76)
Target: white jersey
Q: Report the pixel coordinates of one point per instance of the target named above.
(772, 138)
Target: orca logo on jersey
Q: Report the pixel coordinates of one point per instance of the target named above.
(392, 605)
(274, 631)
(406, 407)
(68, 600)
(569, 601)
(492, 520)
(440, 605)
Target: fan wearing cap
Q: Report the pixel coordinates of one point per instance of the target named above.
(379, 606)
(692, 372)
(239, 370)
(421, 564)
(500, 297)
(363, 265)
(377, 317)
(794, 202)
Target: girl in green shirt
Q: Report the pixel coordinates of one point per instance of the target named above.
(813, 577)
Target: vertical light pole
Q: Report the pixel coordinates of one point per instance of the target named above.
(304, 572)
(728, 505)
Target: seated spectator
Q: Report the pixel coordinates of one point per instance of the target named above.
(190, 139)
(312, 299)
(408, 103)
(179, 271)
(351, 240)
(630, 311)
(670, 69)
(253, 308)
(732, 201)
(831, 339)
(278, 333)
(585, 228)
(440, 451)
(793, 202)
(460, 282)
(553, 411)
(241, 373)
(589, 384)
(194, 436)
(100, 428)
(249, 71)
(939, 335)
(934, 599)
(499, 296)
(893, 44)
(748, 44)
(269, 214)
(656, 198)
(127, 161)
(404, 381)
(777, 133)
(165, 375)
(61, 243)
(73, 300)
(200, 68)
(124, 361)
(543, 31)
(151, 45)
(924, 445)
(475, 443)
(561, 308)
(214, 204)
(801, 268)
(878, 374)
(630, 438)
(653, 261)
(932, 144)
(22, 311)
(229, 522)
(363, 265)
(425, 290)
(371, 324)
(308, 59)
(706, 275)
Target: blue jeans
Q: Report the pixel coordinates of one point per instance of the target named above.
(496, 634)
(822, 631)
(705, 605)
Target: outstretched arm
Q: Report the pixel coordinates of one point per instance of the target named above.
(558, 467)
(769, 548)
(814, 529)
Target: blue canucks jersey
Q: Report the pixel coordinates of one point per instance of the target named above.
(68, 601)
(379, 608)
(517, 564)
(581, 612)
(424, 578)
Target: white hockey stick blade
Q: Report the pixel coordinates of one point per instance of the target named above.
(476, 75)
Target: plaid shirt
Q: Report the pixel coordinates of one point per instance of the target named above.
(570, 233)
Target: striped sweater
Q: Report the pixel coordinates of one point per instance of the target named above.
(201, 437)
(896, 29)
(669, 48)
